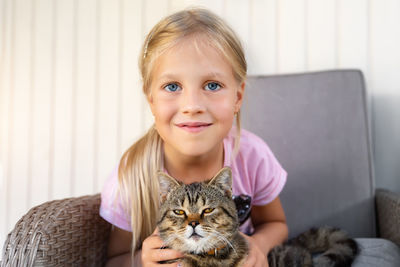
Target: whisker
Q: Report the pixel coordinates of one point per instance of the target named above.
(219, 236)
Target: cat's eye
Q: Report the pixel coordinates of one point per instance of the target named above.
(208, 210)
(179, 212)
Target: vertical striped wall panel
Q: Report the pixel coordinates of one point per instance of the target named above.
(41, 98)
(19, 106)
(62, 87)
(262, 55)
(320, 35)
(5, 25)
(70, 90)
(109, 86)
(131, 121)
(352, 34)
(384, 41)
(85, 49)
(291, 38)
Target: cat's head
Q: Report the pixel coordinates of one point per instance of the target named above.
(198, 217)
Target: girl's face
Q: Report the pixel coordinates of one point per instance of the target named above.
(194, 97)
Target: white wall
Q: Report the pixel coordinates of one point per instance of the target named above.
(70, 99)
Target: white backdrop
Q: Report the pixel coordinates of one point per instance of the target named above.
(70, 97)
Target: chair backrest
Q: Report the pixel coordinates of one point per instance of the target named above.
(316, 124)
(66, 232)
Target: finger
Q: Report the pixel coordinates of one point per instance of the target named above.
(153, 242)
(164, 254)
(247, 264)
(176, 264)
(261, 262)
(265, 262)
(250, 261)
(155, 256)
(155, 231)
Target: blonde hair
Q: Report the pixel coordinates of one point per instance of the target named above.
(141, 162)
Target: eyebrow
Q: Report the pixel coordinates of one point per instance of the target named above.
(207, 75)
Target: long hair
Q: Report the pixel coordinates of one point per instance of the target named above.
(139, 165)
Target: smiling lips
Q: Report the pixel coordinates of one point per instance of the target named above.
(193, 127)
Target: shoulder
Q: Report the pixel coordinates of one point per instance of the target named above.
(249, 139)
(256, 171)
(253, 151)
(112, 207)
(253, 147)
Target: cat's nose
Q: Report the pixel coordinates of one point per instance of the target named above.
(194, 223)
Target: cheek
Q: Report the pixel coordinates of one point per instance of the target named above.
(223, 106)
(220, 222)
(163, 111)
(171, 225)
(224, 113)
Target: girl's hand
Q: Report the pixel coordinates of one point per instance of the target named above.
(152, 252)
(256, 257)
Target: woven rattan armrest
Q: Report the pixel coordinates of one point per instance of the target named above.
(388, 212)
(67, 232)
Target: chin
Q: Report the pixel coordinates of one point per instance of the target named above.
(196, 150)
(197, 246)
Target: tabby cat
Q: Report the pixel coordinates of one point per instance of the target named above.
(200, 220)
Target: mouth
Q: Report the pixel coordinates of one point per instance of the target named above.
(195, 236)
(193, 127)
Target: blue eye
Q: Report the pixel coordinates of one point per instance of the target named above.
(212, 86)
(172, 87)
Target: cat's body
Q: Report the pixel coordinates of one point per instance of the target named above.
(320, 247)
(200, 220)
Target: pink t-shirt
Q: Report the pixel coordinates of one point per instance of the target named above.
(255, 172)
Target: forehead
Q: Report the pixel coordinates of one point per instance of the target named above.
(195, 55)
(195, 195)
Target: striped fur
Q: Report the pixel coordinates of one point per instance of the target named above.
(331, 247)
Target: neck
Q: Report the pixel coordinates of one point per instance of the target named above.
(189, 169)
(216, 252)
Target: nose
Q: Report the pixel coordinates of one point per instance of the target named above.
(192, 101)
(194, 223)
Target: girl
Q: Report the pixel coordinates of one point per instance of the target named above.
(194, 71)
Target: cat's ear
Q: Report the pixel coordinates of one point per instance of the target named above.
(167, 184)
(223, 180)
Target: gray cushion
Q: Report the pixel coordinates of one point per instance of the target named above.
(316, 125)
(377, 252)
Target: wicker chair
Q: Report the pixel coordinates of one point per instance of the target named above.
(388, 215)
(67, 232)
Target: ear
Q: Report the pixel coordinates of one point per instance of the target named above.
(223, 181)
(167, 184)
(239, 96)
